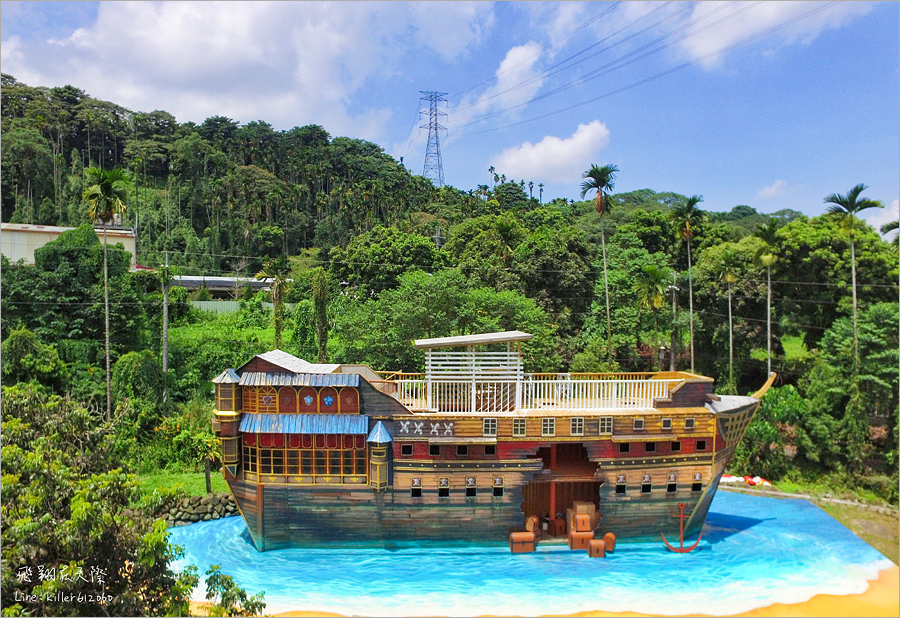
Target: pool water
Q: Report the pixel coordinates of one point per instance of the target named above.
(755, 551)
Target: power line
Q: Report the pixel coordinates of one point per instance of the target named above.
(619, 62)
(612, 6)
(550, 70)
(559, 66)
(661, 74)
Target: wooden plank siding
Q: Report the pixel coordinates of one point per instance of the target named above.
(689, 394)
(340, 517)
(258, 364)
(377, 404)
(623, 424)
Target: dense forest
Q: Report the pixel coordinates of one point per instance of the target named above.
(365, 256)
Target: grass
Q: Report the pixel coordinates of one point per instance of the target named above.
(880, 530)
(192, 483)
(794, 349)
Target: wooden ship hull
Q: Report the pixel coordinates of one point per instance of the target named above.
(467, 452)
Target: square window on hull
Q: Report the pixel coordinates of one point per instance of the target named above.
(606, 424)
(519, 428)
(548, 426)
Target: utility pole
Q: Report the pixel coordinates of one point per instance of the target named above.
(674, 289)
(434, 168)
(438, 237)
(165, 328)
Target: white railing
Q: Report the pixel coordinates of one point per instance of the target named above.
(592, 394)
(485, 396)
(412, 393)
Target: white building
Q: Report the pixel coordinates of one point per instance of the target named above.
(19, 240)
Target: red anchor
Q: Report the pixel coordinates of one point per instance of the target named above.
(682, 549)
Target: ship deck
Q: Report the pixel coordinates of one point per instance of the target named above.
(475, 390)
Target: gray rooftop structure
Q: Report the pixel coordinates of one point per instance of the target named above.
(509, 336)
(219, 284)
(297, 365)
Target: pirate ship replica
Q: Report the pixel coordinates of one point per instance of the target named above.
(473, 449)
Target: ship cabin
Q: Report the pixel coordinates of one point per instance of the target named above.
(284, 420)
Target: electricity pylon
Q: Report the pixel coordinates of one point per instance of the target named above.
(434, 168)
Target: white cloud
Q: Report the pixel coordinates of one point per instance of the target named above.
(557, 20)
(773, 190)
(517, 81)
(554, 159)
(884, 215)
(289, 63)
(760, 18)
(450, 28)
(517, 76)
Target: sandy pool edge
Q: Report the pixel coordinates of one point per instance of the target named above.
(881, 598)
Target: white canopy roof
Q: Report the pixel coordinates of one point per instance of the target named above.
(508, 336)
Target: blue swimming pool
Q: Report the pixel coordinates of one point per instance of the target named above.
(755, 551)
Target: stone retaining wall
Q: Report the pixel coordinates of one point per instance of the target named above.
(201, 508)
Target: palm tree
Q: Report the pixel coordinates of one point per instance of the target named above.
(277, 270)
(688, 215)
(650, 287)
(105, 196)
(767, 257)
(728, 274)
(601, 180)
(889, 227)
(846, 208)
(541, 192)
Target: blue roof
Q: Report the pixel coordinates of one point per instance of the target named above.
(305, 423)
(261, 378)
(379, 434)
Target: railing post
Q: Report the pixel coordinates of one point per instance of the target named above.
(474, 397)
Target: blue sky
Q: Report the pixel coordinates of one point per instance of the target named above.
(771, 104)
